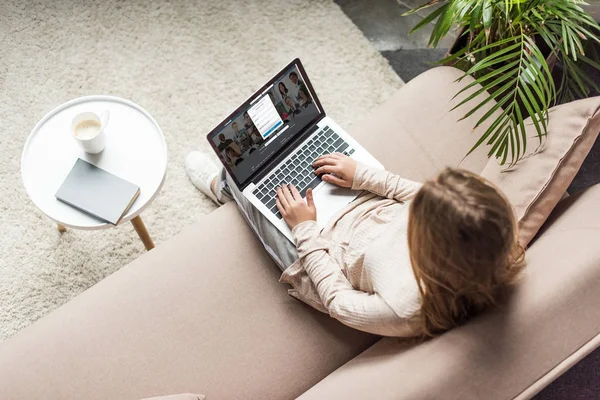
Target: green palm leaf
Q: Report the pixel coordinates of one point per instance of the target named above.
(502, 53)
(523, 76)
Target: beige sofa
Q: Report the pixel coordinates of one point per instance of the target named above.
(204, 312)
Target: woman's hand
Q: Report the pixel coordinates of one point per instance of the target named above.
(343, 167)
(292, 207)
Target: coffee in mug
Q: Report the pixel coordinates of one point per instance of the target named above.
(88, 131)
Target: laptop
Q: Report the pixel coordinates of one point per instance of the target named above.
(274, 137)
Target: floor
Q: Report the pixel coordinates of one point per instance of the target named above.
(381, 21)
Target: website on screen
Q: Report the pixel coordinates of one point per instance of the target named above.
(254, 135)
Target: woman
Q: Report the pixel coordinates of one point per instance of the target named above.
(403, 259)
(283, 91)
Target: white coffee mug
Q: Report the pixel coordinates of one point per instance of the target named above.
(88, 130)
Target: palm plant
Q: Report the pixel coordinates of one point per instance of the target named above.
(510, 48)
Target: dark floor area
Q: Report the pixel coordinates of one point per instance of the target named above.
(582, 382)
(589, 173)
(413, 62)
(382, 23)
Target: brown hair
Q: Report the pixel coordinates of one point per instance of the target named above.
(462, 238)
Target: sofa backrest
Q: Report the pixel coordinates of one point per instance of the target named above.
(414, 133)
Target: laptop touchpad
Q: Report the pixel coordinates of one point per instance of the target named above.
(329, 199)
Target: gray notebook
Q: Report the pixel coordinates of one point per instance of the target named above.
(97, 192)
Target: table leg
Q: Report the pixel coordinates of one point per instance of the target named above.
(61, 228)
(142, 232)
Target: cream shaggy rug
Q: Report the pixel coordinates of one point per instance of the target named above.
(189, 63)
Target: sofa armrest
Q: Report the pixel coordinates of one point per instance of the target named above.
(415, 134)
(552, 313)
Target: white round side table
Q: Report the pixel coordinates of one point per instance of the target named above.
(135, 150)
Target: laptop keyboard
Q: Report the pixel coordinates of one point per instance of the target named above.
(298, 170)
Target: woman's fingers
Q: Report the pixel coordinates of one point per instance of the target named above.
(287, 194)
(281, 197)
(324, 160)
(335, 180)
(280, 207)
(310, 200)
(295, 193)
(327, 169)
(332, 157)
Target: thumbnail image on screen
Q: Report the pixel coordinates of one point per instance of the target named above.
(254, 135)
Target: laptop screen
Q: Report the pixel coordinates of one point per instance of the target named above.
(264, 124)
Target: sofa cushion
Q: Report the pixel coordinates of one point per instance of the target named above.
(553, 313)
(538, 182)
(201, 313)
